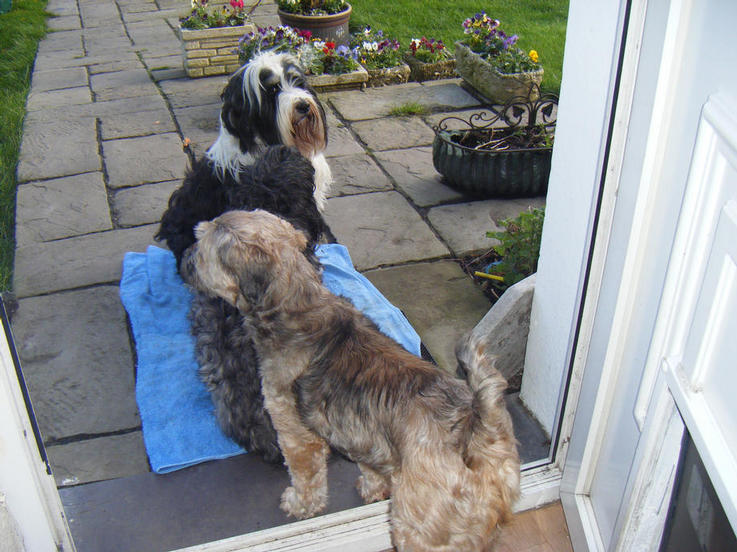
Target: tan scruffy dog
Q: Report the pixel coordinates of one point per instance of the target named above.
(442, 447)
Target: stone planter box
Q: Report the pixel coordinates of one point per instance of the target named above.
(490, 83)
(347, 81)
(421, 71)
(389, 75)
(209, 52)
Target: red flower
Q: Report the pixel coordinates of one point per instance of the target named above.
(330, 45)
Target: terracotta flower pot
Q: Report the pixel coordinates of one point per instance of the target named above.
(332, 28)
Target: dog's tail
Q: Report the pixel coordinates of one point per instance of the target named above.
(491, 448)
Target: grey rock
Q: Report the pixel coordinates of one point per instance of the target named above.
(505, 327)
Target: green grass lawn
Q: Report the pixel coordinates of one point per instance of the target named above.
(540, 24)
(20, 30)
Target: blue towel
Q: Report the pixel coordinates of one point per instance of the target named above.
(179, 426)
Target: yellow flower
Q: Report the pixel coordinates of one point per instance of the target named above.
(533, 55)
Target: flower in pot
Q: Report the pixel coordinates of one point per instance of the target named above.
(326, 58)
(325, 19)
(506, 153)
(328, 66)
(380, 56)
(492, 63)
(278, 39)
(204, 17)
(429, 59)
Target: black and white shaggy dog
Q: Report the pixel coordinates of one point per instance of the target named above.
(281, 182)
(269, 102)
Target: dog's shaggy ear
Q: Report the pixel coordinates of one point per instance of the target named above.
(202, 228)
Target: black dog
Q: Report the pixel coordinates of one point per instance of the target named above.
(281, 182)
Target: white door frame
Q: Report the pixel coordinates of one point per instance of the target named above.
(30, 501)
(641, 520)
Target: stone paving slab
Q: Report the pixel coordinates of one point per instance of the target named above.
(393, 133)
(142, 204)
(64, 23)
(61, 41)
(341, 141)
(440, 301)
(463, 226)
(122, 84)
(62, 7)
(191, 92)
(77, 262)
(57, 148)
(61, 208)
(98, 459)
(63, 60)
(371, 104)
(140, 123)
(357, 174)
(58, 98)
(43, 81)
(59, 334)
(381, 229)
(112, 108)
(200, 124)
(148, 159)
(414, 174)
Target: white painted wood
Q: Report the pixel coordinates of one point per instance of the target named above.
(29, 492)
(622, 482)
(578, 157)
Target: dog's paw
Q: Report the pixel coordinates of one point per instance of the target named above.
(294, 505)
(372, 489)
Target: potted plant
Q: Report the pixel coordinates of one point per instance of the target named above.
(491, 63)
(210, 37)
(325, 19)
(328, 66)
(503, 154)
(380, 56)
(429, 59)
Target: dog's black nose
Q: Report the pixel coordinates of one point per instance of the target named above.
(302, 107)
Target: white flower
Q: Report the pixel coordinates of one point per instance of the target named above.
(319, 44)
(416, 42)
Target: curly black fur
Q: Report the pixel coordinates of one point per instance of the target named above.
(281, 182)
